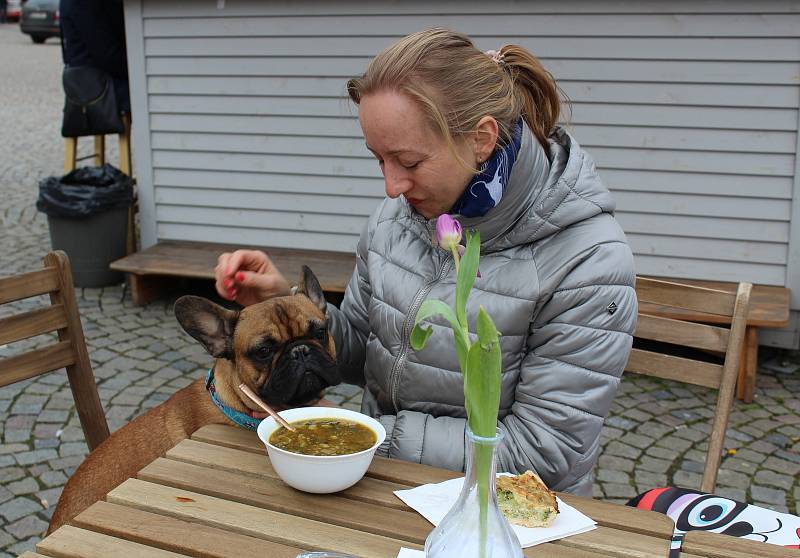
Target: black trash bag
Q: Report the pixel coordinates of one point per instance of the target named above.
(85, 191)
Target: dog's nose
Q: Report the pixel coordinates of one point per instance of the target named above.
(300, 351)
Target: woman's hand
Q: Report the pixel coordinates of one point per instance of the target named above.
(248, 277)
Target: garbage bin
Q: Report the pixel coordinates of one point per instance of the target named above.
(87, 212)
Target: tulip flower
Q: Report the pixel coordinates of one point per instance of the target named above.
(448, 236)
(448, 232)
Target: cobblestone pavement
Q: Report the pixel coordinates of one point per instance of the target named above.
(655, 434)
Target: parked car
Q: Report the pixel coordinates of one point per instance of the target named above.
(40, 20)
(13, 10)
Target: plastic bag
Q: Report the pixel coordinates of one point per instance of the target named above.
(85, 191)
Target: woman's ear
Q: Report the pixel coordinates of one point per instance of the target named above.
(486, 133)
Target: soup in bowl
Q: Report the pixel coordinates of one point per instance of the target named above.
(330, 450)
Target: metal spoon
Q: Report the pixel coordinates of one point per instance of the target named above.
(258, 401)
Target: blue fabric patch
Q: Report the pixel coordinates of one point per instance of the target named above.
(486, 188)
(242, 419)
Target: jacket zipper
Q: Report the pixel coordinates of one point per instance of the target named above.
(399, 362)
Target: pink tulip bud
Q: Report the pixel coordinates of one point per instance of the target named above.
(448, 232)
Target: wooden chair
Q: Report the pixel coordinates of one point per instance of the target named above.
(61, 316)
(664, 337)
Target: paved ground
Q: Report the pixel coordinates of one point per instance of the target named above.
(654, 436)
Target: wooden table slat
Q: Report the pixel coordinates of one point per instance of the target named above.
(73, 542)
(560, 551)
(253, 521)
(32, 555)
(715, 545)
(273, 494)
(209, 455)
(175, 535)
(606, 541)
(411, 474)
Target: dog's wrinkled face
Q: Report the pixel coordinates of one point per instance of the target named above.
(280, 348)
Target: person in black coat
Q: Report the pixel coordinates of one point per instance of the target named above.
(3, 10)
(93, 34)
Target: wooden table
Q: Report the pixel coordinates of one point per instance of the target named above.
(217, 495)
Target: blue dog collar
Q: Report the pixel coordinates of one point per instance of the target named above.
(244, 420)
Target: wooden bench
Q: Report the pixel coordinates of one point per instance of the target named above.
(150, 269)
(769, 307)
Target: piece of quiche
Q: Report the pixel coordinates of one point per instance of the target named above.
(525, 500)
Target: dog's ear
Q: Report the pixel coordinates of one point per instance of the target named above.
(309, 286)
(209, 323)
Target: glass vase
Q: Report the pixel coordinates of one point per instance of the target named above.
(475, 527)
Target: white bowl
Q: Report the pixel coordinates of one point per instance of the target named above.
(320, 474)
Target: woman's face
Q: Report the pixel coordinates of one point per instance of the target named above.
(416, 162)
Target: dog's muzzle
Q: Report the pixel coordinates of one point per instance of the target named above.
(302, 372)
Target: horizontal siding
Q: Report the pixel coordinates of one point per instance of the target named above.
(254, 236)
(256, 8)
(604, 70)
(698, 228)
(273, 182)
(690, 118)
(228, 198)
(759, 96)
(548, 48)
(690, 111)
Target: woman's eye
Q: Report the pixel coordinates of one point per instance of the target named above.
(410, 165)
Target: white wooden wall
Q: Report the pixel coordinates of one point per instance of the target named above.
(690, 109)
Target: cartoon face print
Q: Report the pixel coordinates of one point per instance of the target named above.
(694, 511)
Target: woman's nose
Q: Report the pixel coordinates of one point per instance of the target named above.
(396, 183)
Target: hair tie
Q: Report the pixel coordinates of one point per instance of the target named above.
(496, 56)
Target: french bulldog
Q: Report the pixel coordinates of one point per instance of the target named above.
(280, 348)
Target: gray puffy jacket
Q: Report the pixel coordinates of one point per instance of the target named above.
(557, 278)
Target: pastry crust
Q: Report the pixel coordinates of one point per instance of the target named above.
(525, 500)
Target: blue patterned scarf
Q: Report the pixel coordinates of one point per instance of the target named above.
(486, 188)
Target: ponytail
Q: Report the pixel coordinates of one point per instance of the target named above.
(536, 90)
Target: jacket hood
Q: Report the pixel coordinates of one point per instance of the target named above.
(545, 193)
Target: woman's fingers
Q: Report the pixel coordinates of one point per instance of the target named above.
(246, 260)
(221, 282)
(248, 276)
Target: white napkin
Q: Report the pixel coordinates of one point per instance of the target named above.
(433, 501)
(409, 553)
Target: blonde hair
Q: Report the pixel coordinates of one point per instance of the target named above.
(455, 84)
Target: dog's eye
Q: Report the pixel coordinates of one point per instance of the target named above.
(263, 353)
(321, 333)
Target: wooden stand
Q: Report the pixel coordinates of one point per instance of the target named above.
(71, 161)
(150, 270)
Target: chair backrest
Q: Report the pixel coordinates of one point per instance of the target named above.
(664, 334)
(60, 316)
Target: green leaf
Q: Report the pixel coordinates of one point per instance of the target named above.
(466, 275)
(482, 382)
(420, 335)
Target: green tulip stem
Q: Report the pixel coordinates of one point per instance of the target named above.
(456, 257)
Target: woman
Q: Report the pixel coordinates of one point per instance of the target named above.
(474, 134)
